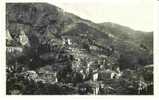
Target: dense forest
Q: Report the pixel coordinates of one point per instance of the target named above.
(52, 52)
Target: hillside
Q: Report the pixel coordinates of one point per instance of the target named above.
(50, 51)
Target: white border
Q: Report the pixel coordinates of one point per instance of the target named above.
(2, 50)
(156, 47)
(2, 57)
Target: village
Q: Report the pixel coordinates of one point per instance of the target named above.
(53, 52)
(95, 76)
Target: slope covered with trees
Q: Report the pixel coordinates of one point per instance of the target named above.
(50, 51)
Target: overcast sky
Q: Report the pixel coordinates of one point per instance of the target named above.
(137, 14)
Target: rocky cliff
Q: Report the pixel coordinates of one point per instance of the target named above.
(55, 52)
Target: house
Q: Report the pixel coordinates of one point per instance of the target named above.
(48, 74)
(14, 49)
(95, 76)
(107, 75)
(30, 75)
(66, 41)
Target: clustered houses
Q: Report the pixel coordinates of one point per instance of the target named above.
(14, 49)
(97, 71)
(43, 75)
(30, 75)
(47, 74)
(99, 75)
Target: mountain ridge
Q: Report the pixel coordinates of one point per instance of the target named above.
(50, 38)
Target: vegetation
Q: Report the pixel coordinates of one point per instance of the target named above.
(50, 51)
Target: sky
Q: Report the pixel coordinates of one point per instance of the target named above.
(136, 14)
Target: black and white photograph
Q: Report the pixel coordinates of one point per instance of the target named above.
(79, 48)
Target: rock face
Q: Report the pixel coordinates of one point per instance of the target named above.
(65, 51)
